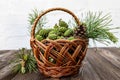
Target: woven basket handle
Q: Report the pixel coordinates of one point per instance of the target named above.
(49, 10)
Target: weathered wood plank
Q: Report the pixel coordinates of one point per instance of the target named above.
(103, 67)
(6, 71)
(87, 72)
(114, 51)
(104, 64)
(6, 57)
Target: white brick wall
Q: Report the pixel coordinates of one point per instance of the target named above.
(14, 16)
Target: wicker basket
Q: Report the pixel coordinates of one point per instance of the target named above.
(59, 50)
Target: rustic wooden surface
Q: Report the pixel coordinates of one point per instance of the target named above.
(104, 64)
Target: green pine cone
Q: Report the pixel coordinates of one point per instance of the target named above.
(60, 37)
(55, 31)
(63, 23)
(39, 38)
(52, 32)
(23, 70)
(52, 36)
(56, 26)
(69, 32)
(62, 29)
(42, 32)
(25, 57)
(71, 38)
(48, 30)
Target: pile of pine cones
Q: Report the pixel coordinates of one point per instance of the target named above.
(62, 31)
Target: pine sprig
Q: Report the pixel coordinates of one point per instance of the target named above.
(98, 27)
(32, 16)
(25, 61)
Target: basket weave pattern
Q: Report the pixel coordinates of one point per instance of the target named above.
(67, 55)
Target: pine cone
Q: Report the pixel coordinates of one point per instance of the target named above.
(80, 31)
(39, 38)
(62, 29)
(69, 32)
(52, 36)
(63, 23)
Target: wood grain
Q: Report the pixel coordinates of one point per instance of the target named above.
(103, 64)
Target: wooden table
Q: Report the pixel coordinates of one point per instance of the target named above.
(104, 64)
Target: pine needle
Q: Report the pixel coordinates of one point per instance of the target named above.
(28, 58)
(98, 27)
(32, 16)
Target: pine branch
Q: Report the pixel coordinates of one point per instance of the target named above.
(32, 16)
(27, 57)
(98, 27)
